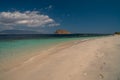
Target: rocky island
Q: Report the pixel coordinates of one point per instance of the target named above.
(60, 31)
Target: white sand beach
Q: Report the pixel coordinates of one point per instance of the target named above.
(94, 59)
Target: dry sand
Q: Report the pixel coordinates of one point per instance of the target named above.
(95, 59)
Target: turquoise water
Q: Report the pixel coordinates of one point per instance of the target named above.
(13, 50)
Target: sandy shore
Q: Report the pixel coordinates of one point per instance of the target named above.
(94, 59)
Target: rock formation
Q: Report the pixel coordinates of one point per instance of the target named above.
(60, 31)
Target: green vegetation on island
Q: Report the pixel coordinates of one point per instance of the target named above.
(117, 33)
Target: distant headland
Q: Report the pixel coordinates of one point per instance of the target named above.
(117, 33)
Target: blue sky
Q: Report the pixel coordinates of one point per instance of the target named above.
(77, 16)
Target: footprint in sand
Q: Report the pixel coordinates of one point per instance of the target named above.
(101, 76)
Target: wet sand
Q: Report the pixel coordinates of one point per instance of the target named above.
(94, 59)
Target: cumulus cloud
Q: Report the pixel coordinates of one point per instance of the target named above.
(27, 19)
(49, 7)
(51, 25)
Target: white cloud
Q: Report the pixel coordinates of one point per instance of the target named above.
(49, 7)
(52, 25)
(27, 18)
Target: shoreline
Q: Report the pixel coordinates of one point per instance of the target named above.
(47, 50)
(64, 62)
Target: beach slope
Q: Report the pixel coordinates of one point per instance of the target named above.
(94, 59)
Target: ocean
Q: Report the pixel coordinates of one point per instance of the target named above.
(14, 49)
